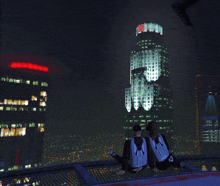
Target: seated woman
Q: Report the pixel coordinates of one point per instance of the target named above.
(135, 156)
(159, 149)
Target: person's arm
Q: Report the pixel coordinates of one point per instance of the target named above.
(164, 138)
(126, 155)
(150, 155)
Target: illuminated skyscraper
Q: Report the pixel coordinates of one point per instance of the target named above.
(149, 97)
(207, 105)
(23, 101)
(210, 131)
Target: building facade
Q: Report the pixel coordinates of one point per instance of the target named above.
(209, 128)
(149, 97)
(207, 105)
(23, 103)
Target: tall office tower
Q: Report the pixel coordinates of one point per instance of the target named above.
(23, 101)
(210, 130)
(149, 97)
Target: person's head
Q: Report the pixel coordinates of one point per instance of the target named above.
(152, 129)
(137, 131)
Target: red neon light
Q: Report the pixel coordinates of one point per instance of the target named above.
(141, 28)
(29, 66)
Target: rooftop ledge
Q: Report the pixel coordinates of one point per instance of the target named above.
(104, 173)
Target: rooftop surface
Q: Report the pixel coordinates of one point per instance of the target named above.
(199, 171)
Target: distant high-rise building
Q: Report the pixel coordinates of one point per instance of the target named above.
(149, 97)
(23, 100)
(209, 128)
(207, 105)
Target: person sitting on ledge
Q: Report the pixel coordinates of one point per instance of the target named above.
(159, 149)
(135, 156)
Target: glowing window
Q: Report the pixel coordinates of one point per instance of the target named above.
(17, 81)
(35, 82)
(28, 166)
(19, 125)
(11, 80)
(1, 108)
(3, 79)
(16, 102)
(34, 109)
(43, 93)
(31, 124)
(28, 82)
(41, 129)
(8, 108)
(24, 102)
(5, 132)
(10, 102)
(33, 98)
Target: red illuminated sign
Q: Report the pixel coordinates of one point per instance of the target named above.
(141, 28)
(29, 66)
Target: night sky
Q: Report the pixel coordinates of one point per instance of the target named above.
(91, 41)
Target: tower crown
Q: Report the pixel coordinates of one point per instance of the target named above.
(149, 27)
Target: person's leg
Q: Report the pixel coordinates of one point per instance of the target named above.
(162, 165)
(143, 167)
(118, 158)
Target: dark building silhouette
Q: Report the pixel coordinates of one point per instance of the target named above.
(149, 97)
(23, 100)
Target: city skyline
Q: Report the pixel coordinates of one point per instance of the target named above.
(77, 76)
(94, 60)
(88, 88)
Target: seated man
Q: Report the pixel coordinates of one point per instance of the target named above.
(135, 155)
(158, 148)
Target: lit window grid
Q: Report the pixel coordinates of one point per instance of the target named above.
(211, 123)
(128, 99)
(15, 102)
(26, 102)
(18, 129)
(7, 132)
(211, 135)
(140, 89)
(139, 59)
(135, 63)
(11, 108)
(23, 81)
(146, 59)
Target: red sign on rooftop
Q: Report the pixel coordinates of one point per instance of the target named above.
(29, 66)
(141, 28)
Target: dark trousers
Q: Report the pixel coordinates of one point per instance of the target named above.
(120, 160)
(167, 163)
